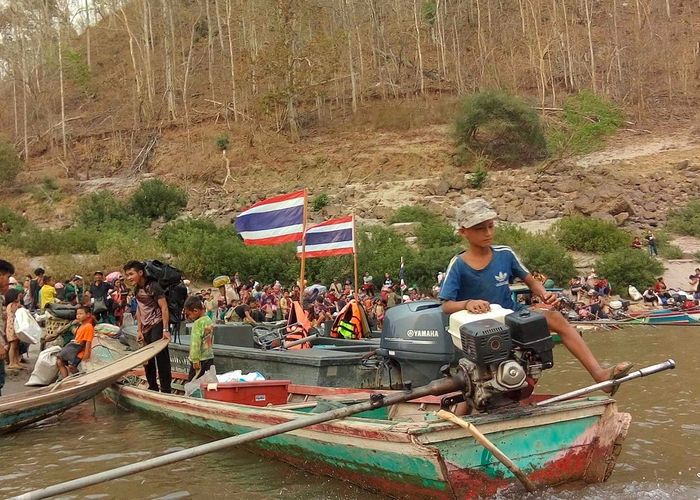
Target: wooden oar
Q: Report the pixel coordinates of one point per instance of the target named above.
(435, 388)
(486, 443)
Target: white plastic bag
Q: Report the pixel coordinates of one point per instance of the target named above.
(26, 327)
(45, 369)
(238, 376)
(194, 385)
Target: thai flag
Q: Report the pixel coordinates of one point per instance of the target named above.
(332, 237)
(273, 221)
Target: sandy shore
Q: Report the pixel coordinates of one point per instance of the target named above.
(14, 381)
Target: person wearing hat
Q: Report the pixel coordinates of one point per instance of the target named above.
(481, 275)
(74, 291)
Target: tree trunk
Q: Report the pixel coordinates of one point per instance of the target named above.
(418, 47)
(590, 46)
(166, 12)
(210, 51)
(63, 103)
(234, 100)
(87, 33)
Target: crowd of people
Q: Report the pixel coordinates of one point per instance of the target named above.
(248, 301)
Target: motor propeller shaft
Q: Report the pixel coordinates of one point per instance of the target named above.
(669, 364)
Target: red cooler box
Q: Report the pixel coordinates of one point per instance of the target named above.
(259, 393)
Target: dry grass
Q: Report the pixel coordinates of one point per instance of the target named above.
(18, 258)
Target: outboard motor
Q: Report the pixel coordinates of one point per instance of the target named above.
(502, 353)
(415, 338)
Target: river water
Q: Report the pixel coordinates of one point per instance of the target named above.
(660, 458)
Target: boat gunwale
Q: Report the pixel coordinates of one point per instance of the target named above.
(525, 417)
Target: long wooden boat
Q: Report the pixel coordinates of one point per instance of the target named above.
(669, 316)
(404, 451)
(24, 408)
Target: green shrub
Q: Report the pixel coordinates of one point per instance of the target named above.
(587, 234)
(433, 230)
(319, 202)
(12, 221)
(154, 198)
(628, 266)
(588, 119)
(478, 177)
(98, 209)
(412, 213)
(666, 249)
(538, 252)
(222, 142)
(10, 163)
(685, 220)
(696, 256)
(501, 127)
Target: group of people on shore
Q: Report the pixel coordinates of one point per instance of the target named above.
(251, 302)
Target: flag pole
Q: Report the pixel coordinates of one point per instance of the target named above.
(303, 251)
(354, 254)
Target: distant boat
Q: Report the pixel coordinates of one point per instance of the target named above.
(403, 450)
(668, 316)
(28, 407)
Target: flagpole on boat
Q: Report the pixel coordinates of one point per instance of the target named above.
(303, 250)
(354, 255)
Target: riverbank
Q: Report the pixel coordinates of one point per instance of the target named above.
(14, 381)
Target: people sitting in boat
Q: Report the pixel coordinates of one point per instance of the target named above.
(479, 276)
(694, 280)
(202, 340)
(662, 290)
(578, 288)
(602, 287)
(650, 297)
(80, 348)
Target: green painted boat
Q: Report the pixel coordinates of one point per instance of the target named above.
(404, 451)
(25, 408)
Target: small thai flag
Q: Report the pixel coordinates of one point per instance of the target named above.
(273, 221)
(332, 237)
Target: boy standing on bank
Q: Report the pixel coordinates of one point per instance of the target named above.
(153, 320)
(481, 275)
(202, 339)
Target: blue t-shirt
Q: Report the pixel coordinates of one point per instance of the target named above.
(462, 282)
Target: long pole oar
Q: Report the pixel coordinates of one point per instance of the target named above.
(669, 364)
(486, 443)
(435, 388)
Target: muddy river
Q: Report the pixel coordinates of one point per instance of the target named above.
(660, 458)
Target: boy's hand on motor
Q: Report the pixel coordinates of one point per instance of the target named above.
(550, 298)
(478, 306)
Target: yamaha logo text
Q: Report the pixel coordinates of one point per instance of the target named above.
(422, 333)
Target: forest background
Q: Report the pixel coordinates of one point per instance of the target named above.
(230, 101)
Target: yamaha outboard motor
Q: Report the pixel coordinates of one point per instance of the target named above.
(416, 342)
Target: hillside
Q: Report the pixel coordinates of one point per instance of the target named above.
(353, 99)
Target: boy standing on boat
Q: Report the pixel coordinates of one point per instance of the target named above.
(481, 275)
(153, 320)
(202, 338)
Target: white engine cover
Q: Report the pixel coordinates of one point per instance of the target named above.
(461, 317)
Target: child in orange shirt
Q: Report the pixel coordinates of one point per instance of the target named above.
(80, 348)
